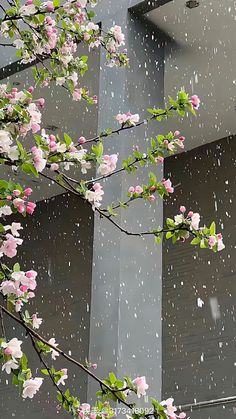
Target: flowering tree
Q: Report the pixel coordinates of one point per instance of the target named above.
(51, 31)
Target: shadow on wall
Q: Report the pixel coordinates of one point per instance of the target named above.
(199, 342)
(58, 242)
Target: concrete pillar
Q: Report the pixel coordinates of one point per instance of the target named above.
(125, 328)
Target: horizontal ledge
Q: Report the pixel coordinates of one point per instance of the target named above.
(208, 403)
(147, 5)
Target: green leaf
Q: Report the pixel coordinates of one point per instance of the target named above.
(16, 267)
(157, 239)
(59, 397)
(24, 362)
(68, 139)
(169, 234)
(15, 380)
(45, 372)
(29, 168)
(3, 184)
(213, 228)
(22, 151)
(196, 240)
(112, 377)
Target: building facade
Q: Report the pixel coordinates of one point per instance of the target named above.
(123, 302)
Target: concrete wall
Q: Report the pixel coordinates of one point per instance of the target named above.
(199, 343)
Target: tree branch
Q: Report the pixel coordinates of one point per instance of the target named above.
(63, 354)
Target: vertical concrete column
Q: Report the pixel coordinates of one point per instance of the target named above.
(125, 328)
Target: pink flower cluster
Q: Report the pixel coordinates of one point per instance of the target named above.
(193, 218)
(178, 140)
(168, 185)
(108, 164)
(115, 40)
(216, 240)
(19, 200)
(95, 196)
(11, 350)
(19, 289)
(141, 386)
(195, 101)
(31, 387)
(9, 246)
(135, 190)
(170, 409)
(38, 159)
(84, 411)
(20, 104)
(127, 118)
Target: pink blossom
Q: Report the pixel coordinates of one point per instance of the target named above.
(13, 348)
(10, 365)
(31, 387)
(77, 94)
(95, 99)
(127, 118)
(87, 36)
(39, 161)
(9, 246)
(35, 127)
(190, 214)
(31, 89)
(108, 164)
(220, 244)
(84, 409)
(195, 101)
(8, 287)
(54, 167)
(195, 220)
(138, 189)
(141, 386)
(18, 305)
(176, 133)
(152, 198)
(170, 409)
(63, 378)
(14, 227)
(26, 278)
(16, 192)
(94, 366)
(95, 196)
(30, 208)
(28, 191)
(41, 102)
(131, 189)
(82, 140)
(50, 6)
(168, 185)
(36, 321)
(182, 208)
(212, 241)
(54, 353)
(159, 159)
(19, 204)
(31, 274)
(171, 146)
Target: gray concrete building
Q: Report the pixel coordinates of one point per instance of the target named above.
(123, 302)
